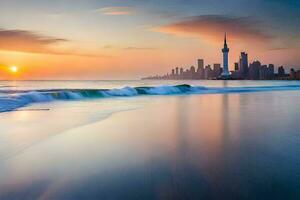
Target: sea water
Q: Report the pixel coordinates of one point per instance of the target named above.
(16, 94)
(149, 140)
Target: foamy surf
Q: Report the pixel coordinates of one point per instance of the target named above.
(14, 99)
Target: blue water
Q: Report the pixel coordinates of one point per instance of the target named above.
(73, 140)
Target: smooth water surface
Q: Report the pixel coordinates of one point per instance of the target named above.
(242, 145)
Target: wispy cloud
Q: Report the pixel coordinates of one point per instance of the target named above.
(32, 42)
(139, 48)
(129, 48)
(27, 41)
(214, 26)
(279, 49)
(116, 10)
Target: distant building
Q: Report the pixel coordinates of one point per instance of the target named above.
(271, 71)
(254, 70)
(187, 74)
(235, 74)
(200, 69)
(181, 71)
(281, 71)
(236, 66)
(207, 72)
(192, 70)
(200, 63)
(294, 75)
(217, 70)
(298, 74)
(225, 51)
(251, 72)
(192, 74)
(263, 72)
(243, 65)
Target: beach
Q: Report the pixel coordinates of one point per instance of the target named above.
(236, 145)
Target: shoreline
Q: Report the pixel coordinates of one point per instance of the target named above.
(55, 110)
(202, 145)
(14, 99)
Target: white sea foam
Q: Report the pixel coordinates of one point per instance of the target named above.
(163, 90)
(126, 91)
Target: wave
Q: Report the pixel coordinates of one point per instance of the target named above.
(14, 99)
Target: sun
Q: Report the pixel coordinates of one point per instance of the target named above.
(14, 69)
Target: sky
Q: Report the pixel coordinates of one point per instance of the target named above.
(129, 39)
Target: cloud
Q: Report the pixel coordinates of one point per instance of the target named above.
(27, 41)
(139, 48)
(279, 49)
(130, 48)
(116, 10)
(31, 42)
(214, 26)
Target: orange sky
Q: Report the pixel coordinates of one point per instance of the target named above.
(111, 40)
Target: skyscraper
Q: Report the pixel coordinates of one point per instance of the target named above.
(200, 69)
(200, 63)
(225, 51)
(207, 72)
(263, 72)
(243, 65)
(281, 71)
(236, 66)
(217, 70)
(181, 71)
(192, 74)
(254, 70)
(271, 71)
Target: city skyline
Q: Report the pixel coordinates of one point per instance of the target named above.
(242, 70)
(113, 39)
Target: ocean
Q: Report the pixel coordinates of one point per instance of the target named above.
(69, 140)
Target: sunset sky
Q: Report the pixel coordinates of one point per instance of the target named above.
(129, 39)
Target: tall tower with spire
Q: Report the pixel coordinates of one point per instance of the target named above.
(225, 51)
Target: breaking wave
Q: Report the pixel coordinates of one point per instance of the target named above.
(14, 99)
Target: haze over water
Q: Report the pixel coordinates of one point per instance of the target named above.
(236, 140)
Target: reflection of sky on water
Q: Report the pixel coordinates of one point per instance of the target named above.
(187, 147)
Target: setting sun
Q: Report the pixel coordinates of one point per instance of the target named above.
(14, 69)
